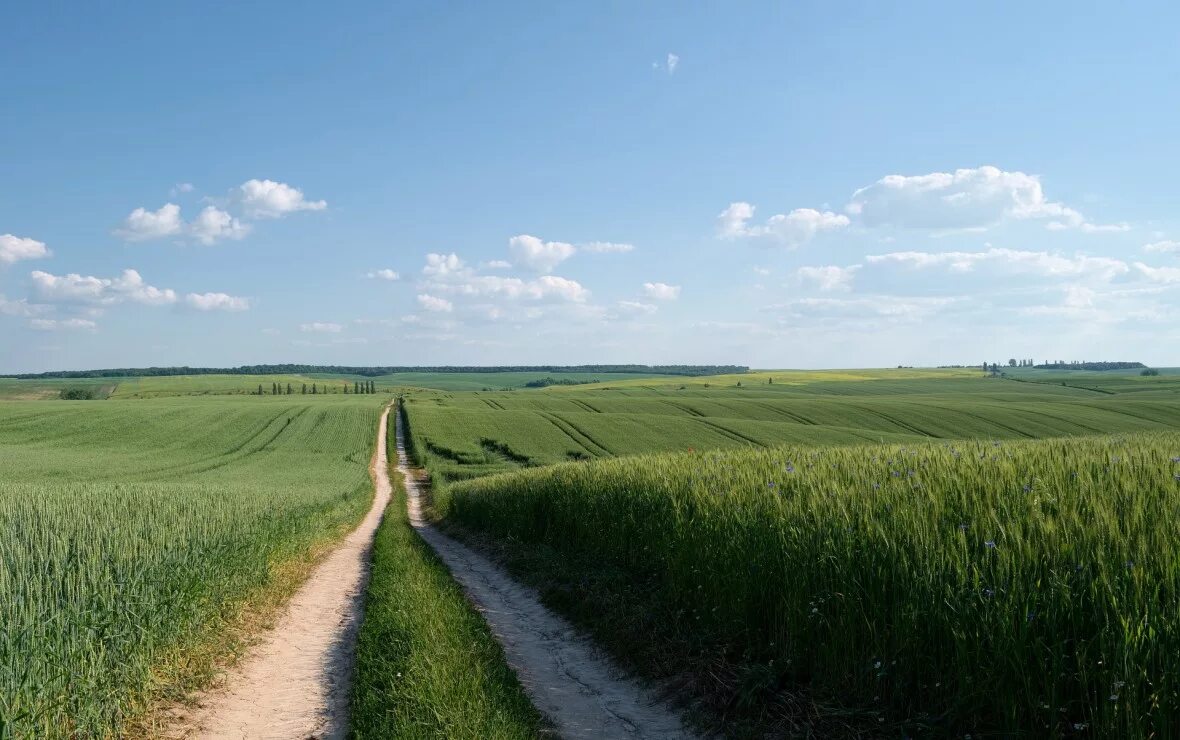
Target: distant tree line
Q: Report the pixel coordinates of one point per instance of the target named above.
(1083, 365)
(149, 372)
(358, 387)
(994, 367)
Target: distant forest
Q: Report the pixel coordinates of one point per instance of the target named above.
(1090, 366)
(148, 372)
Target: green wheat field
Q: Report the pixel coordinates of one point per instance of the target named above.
(893, 553)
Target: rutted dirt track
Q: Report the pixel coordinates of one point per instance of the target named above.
(574, 685)
(295, 684)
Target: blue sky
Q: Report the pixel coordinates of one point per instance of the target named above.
(772, 184)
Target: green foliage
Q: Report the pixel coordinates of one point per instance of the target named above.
(151, 372)
(427, 666)
(966, 587)
(1099, 366)
(548, 381)
(76, 393)
(133, 531)
(1149, 372)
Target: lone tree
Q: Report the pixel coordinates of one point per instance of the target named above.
(288, 389)
(313, 390)
(1012, 362)
(260, 389)
(305, 389)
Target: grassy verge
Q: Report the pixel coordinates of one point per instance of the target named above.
(427, 666)
(935, 590)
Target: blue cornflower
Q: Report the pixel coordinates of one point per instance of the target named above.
(963, 527)
(990, 544)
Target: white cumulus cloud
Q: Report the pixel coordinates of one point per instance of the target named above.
(790, 229)
(434, 303)
(270, 199)
(661, 291)
(213, 224)
(216, 302)
(144, 225)
(75, 288)
(538, 255)
(442, 265)
(16, 248)
(968, 198)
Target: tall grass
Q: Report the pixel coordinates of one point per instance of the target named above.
(969, 587)
(134, 532)
(427, 666)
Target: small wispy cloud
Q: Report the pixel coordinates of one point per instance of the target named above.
(669, 65)
(384, 274)
(321, 327)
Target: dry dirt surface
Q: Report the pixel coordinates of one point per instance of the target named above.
(295, 683)
(576, 687)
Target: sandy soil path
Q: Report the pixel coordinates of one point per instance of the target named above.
(573, 684)
(296, 682)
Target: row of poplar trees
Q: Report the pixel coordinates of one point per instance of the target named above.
(276, 389)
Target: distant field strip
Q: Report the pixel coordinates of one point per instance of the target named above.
(559, 424)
